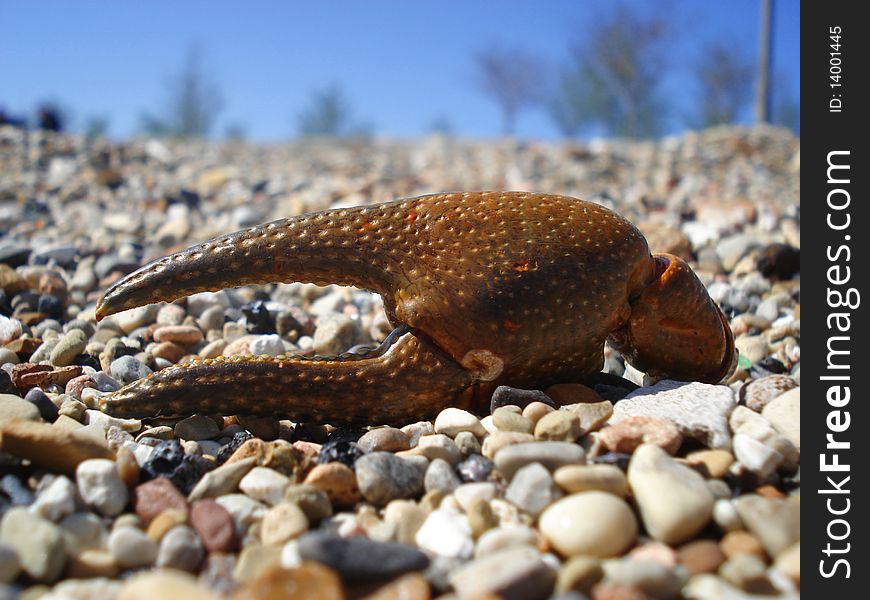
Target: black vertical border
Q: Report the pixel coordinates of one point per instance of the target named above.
(824, 131)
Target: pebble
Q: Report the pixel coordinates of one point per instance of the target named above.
(153, 497)
(496, 539)
(165, 583)
(508, 396)
(452, 421)
(164, 522)
(776, 522)
(301, 582)
(197, 427)
(788, 563)
(282, 523)
(256, 560)
(55, 500)
(222, 480)
(579, 574)
(627, 434)
(10, 566)
(784, 413)
(184, 335)
(180, 549)
(170, 314)
(382, 477)
(214, 525)
(699, 410)
(514, 573)
(475, 468)
(674, 501)
(440, 476)
(713, 464)
(127, 369)
(551, 455)
(384, 439)
(338, 481)
(417, 430)
(559, 425)
(49, 446)
(361, 559)
(130, 547)
(270, 345)
(312, 500)
(497, 440)
(586, 478)
(507, 419)
(38, 543)
(725, 515)
(47, 409)
(335, 333)
(748, 573)
(440, 446)
(68, 348)
(467, 443)
(652, 578)
(701, 556)
(532, 489)
(755, 456)
(592, 415)
(589, 523)
(16, 407)
(741, 542)
(406, 517)
(758, 392)
(101, 486)
(446, 533)
(265, 485)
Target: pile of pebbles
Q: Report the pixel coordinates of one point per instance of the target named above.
(625, 488)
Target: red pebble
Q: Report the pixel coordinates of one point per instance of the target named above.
(214, 525)
(153, 497)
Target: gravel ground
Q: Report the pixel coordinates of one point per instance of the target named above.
(632, 489)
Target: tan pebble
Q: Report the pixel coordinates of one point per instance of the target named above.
(50, 447)
(412, 586)
(712, 464)
(506, 419)
(480, 517)
(584, 478)
(183, 335)
(655, 552)
(535, 410)
(559, 425)
(213, 349)
(701, 556)
(164, 583)
(282, 523)
(407, 517)
(590, 523)
(255, 560)
(789, 563)
(579, 574)
(629, 433)
(386, 439)
(239, 346)
(609, 590)
(592, 415)
(168, 350)
(165, 521)
(92, 563)
(502, 439)
(748, 573)
(769, 491)
(741, 542)
(307, 581)
(338, 481)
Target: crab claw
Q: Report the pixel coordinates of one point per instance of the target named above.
(675, 330)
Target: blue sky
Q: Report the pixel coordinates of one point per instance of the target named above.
(402, 64)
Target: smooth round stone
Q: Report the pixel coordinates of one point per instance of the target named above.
(83, 531)
(451, 421)
(512, 573)
(551, 455)
(384, 439)
(714, 463)
(165, 583)
(784, 413)
(788, 563)
(184, 335)
(446, 533)
(481, 518)
(38, 543)
(725, 515)
(438, 445)
(468, 493)
(701, 556)
(406, 517)
(131, 547)
(497, 440)
(47, 409)
(171, 314)
(579, 574)
(652, 578)
(282, 523)
(164, 522)
(101, 486)
(508, 396)
(467, 443)
(536, 410)
(589, 523)
(180, 548)
(440, 476)
(215, 526)
(68, 347)
(270, 345)
(775, 522)
(334, 334)
(757, 457)
(16, 407)
(496, 539)
(197, 427)
(382, 477)
(532, 489)
(312, 500)
(586, 478)
(127, 369)
(8, 356)
(506, 419)
(265, 485)
(56, 500)
(674, 500)
(559, 425)
(417, 430)
(338, 481)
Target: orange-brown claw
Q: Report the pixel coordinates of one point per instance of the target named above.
(675, 330)
(493, 288)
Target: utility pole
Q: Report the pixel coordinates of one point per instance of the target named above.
(765, 40)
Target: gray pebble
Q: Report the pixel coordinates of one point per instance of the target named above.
(127, 369)
(383, 476)
(440, 476)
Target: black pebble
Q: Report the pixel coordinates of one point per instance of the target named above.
(6, 386)
(25, 302)
(258, 318)
(767, 366)
(476, 467)
(346, 434)
(50, 305)
(779, 261)
(341, 451)
(361, 559)
(233, 445)
(5, 309)
(505, 395)
(46, 407)
(169, 460)
(88, 360)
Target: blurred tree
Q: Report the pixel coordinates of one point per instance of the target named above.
(511, 77)
(96, 126)
(614, 79)
(724, 75)
(329, 114)
(193, 102)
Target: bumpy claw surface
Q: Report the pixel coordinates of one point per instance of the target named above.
(490, 288)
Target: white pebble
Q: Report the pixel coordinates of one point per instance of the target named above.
(100, 486)
(446, 533)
